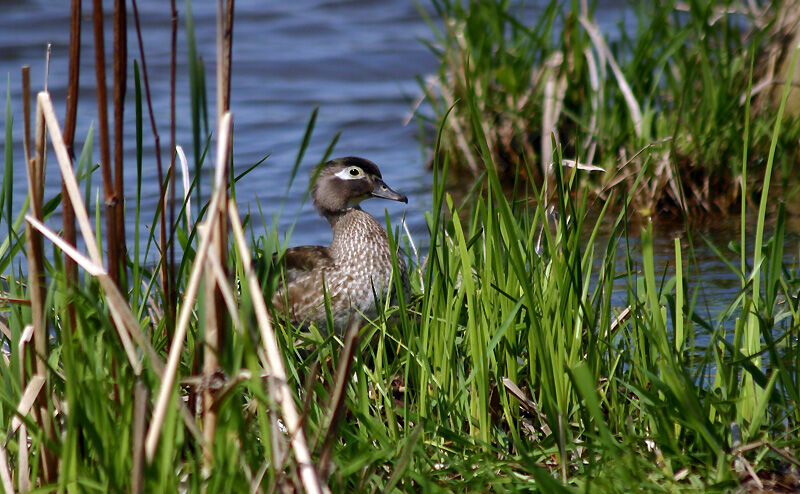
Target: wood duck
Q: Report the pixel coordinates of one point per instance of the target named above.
(356, 269)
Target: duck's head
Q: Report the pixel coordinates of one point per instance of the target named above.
(344, 182)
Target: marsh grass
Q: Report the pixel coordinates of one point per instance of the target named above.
(664, 102)
(512, 367)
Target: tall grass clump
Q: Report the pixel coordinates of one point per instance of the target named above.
(669, 93)
(531, 356)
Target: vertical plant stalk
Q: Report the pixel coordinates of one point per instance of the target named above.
(37, 291)
(73, 77)
(120, 86)
(139, 430)
(211, 338)
(68, 214)
(170, 294)
(216, 313)
(23, 467)
(26, 112)
(105, 151)
(224, 50)
(23, 463)
(5, 472)
(212, 331)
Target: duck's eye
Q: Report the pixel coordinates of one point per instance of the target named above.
(350, 173)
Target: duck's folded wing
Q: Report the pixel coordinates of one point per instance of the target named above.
(305, 259)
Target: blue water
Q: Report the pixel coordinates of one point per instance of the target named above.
(356, 61)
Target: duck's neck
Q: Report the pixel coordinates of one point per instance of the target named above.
(356, 234)
(334, 217)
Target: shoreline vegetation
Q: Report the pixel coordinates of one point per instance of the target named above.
(512, 367)
(666, 102)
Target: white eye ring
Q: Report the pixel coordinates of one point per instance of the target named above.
(350, 173)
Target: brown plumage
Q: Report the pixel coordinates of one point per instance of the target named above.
(357, 266)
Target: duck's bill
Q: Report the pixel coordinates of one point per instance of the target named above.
(384, 191)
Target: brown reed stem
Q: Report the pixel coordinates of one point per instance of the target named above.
(120, 86)
(37, 291)
(68, 214)
(26, 111)
(105, 151)
(224, 50)
(23, 476)
(169, 289)
(73, 77)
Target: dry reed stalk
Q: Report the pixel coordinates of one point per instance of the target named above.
(170, 294)
(5, 472)
(215, 309)
(224, 49)
(192, 287)
(26, 111)
(6, 332)
(23, 467)
(37, 162)
(590, 143)
(527, 403)
(139, 430)
(214, 317)
(274, 362)
(551, 112)
(32, 392)
(105, 145)
(212, 393)
(336, 406)
(37, 289)
(225, 288)
(459, 132)
(67, 214)
(73, 77)
(602, 48)
(23, 464)
(211, 337)
(120, 86)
